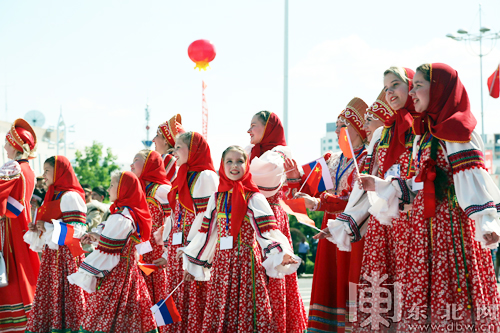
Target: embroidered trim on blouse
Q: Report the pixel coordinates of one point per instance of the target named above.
(466, 159)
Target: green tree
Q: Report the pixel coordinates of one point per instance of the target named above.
(300, 231)
(92, 168)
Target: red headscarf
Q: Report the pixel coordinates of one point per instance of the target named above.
(238, 202)
(131, 195)
(64, 180)
(274, 135)
(153, 170)
(403, 121)
(199, 159)
(448, 116)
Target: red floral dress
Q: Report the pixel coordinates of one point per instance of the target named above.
(449, 277)
(58, 305)
(385, 246)
(237, 298)
(288, 309)
(17, 181)
(119, 300)
(190, 297)
(156, 281)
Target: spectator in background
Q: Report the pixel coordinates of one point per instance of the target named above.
(88, 192)
(99, 193)
(303, 251)
(97, 210)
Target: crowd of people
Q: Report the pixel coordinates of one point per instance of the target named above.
(405, 242)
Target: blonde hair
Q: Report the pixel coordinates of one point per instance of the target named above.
(425, 69)
(144, 153)
(185, 137)
(116, 174)
(237, 149)
(263, 116)
(399, 72)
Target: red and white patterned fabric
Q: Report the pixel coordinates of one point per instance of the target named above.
(190, 297)
(237, 297)
(58, 304)
(119, 300)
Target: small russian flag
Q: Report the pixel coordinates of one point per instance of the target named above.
(165, 312)
(63, 233)
(14, 207)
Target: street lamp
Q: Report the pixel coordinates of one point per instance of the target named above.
(483, 34)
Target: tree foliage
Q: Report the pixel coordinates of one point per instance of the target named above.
(299, 231)
(92, 168)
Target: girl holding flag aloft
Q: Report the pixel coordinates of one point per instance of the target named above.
(196, 181)
(165, 141)
(148, 167)
(268, 152)
(17, 181)
(225, 251)
(119, 300)
(333, 266)
(58, 305)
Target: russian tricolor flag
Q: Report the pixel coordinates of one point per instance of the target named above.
(325, 183)
(14, 207)
(165, 312)
(63, 233)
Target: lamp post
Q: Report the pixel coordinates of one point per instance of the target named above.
(285, 75)
(483, 34)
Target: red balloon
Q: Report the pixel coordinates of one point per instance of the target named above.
(201, 52)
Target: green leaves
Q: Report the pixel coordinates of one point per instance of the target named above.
(92, 168)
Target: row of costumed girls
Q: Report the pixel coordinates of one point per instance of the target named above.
(224, 235)
(420, 221)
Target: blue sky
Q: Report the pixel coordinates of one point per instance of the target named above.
(103, 60)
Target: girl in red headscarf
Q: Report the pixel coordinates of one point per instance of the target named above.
(17, 182)
(336, 264)
(119, 300)
(196, 181)
(267, 152)
(57, 304)
(165, 141)
(225, 252)
(454, 215)
(148, 166)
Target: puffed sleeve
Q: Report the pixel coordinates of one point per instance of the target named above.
(268, 171)
(476, 193)
(199, 254)
(205, 186)
(10, 172)
(107, 254)
(273, 243)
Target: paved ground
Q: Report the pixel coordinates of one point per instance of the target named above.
(305, 285)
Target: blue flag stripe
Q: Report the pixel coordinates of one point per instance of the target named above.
(13, 209)
(62, 236)
(167, 318)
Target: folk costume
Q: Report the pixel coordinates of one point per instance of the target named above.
(58, 305)
(225, 252)
(267, 160)
(17, 182)
(119, 300)
(196, 181)
(454, 204)
(334, 267)
(157, 198)
(170, 129)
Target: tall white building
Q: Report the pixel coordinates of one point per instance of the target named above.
(330, 142)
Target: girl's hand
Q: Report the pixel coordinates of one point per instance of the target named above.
(288, 259)
(323, 234)
(309, 201)
(32, 227)
(491, 238)
(160, 262)
(367, 182)
(188, 277)
(291, 169)
(179, 255)
(40, 225)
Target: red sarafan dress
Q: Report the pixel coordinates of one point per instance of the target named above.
(267, 169)
(157, 198)
(119, 300)
(58, 305)
(237, 295)
(196, 181)
(17, 182)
